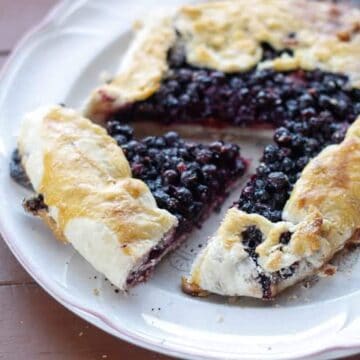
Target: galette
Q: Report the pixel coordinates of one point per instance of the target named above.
(291, 66)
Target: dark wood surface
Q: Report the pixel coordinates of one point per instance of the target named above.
(32, 324)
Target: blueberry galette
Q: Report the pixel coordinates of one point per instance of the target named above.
(289, 65)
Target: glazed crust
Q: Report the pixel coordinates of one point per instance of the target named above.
(90, 196)
(141, 72)
(322, 214)
(227, 36)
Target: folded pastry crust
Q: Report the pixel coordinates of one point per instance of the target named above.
(227, 36)
(322, 215)
(89, 197)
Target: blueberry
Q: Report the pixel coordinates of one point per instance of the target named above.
(285, 237)
(209, 172)
(204, 156)
(270, 153)
(159, 143)
(287, 165)
(184, 195)
(171, 138)
(189, 178)
(262, 194)
(251, 238)
(137, 147)
(202, 192)
(229, 152)
(121, 139)
(170, 176)
(216, 146)
(161, 197)
(137, 169)
(263, 170)
(126, 130)
(278, 180)
(247, 192)
(282, 136)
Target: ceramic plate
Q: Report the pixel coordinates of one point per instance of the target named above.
(61, 61)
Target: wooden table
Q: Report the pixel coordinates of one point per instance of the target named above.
(32, 324)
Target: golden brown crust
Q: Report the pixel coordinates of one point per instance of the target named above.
(325, 201)
(227, 35)
(192, 289)
(86, 175)
(331, 185)
(142, 70)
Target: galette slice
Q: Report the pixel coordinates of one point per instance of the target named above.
(251, 256)
(88, 195)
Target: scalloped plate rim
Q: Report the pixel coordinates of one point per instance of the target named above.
(96, 318)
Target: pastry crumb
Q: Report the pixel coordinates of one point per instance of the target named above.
(81, 333)
(105, 76)
(96, 292)
(220, 319)
(137, 25)
(327, 270)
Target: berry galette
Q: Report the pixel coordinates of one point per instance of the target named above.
(292, 66)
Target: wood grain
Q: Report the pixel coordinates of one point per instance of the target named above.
(2, 60)
(17, 17)
(32, 323)
(11, 272)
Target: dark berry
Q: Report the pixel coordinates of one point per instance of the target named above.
(277, 180)
(285, 238)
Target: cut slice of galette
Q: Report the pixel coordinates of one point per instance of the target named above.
(88, 196)
(251, 256)
(288, 65)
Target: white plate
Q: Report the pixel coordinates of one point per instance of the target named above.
(60, 62)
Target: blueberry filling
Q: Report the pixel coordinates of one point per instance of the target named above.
(285, 238)
(308, 109)
(187, 179)
(295, 143)
(17, 171)
(251, 238)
